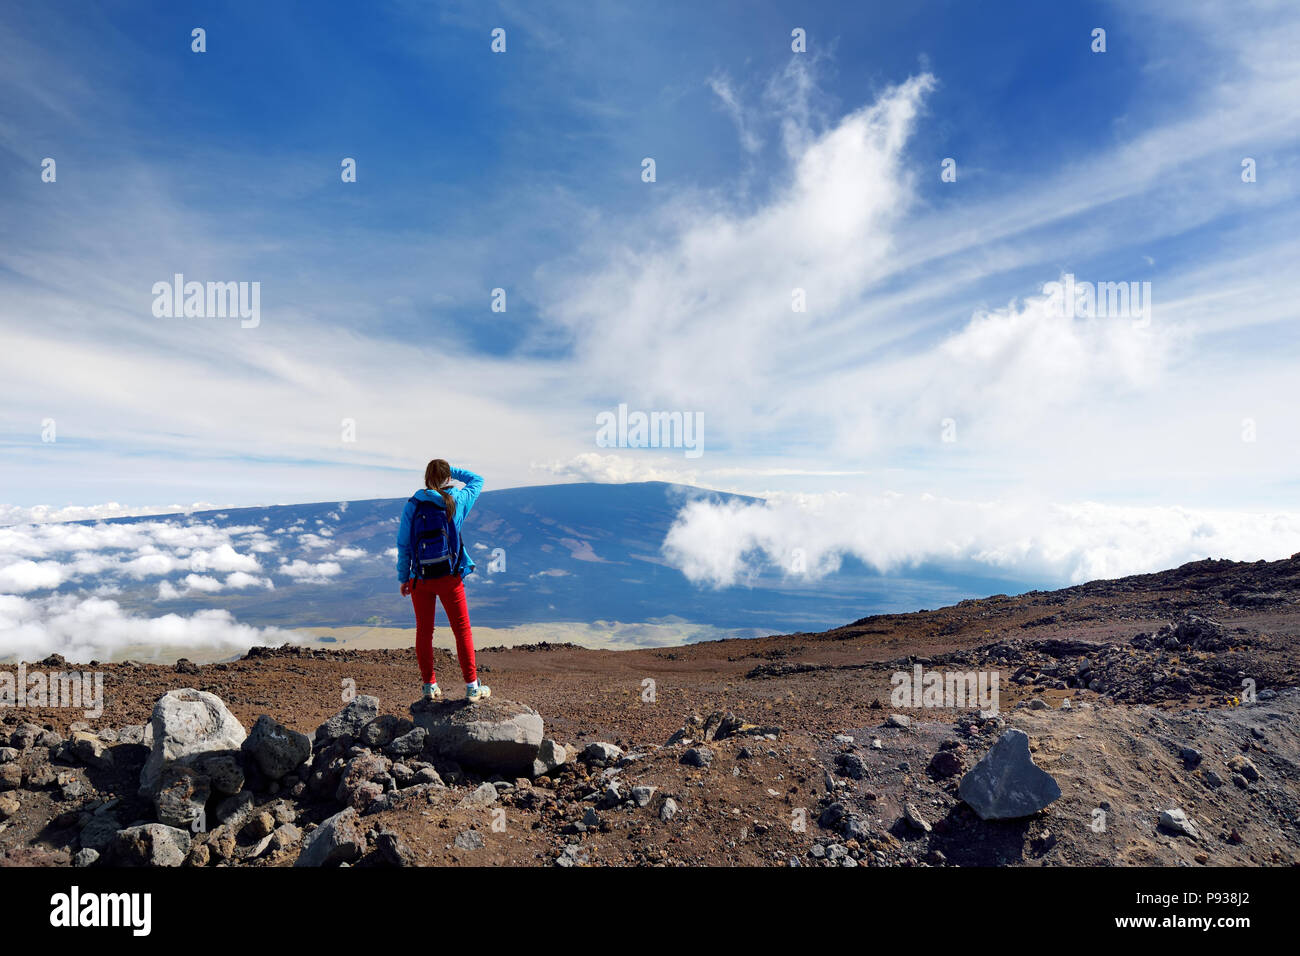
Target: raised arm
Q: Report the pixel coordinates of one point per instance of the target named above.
(469, 494)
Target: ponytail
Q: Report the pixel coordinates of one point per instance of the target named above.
(436, 476)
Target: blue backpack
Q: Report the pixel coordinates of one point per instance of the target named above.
(435, 545)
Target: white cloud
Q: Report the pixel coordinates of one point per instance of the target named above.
(223, 558)
(98, 629)
(304, 572)
(23, 576)
(241, 579)
(201, 582)
(724, 544)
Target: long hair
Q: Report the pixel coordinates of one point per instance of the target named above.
(437, 475)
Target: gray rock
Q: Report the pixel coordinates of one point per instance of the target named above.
(572, 855)
(90, 750)
(600, 754)
(379, 732)
(550, 756)
(25, 736)
(427, 776)
(914, 818)
(484, 796)
(98, 831)
(182, 794)
(150, 844)
(85, 857)
(495, 735)
(235, 810)
(186, 724)
(359, 785)
(410, 744)
(697, 757)
(1176, 821)
(224, 771)
(393, 849)
(850, 765)
(901, 721)
(275, 749)
(469, 840)
(285, 836)
(1038, 704)
(641, 795)
(668, 810)
(8, 754)
(1006, 783)
(358, 712)
(132, 734)
(340, 839)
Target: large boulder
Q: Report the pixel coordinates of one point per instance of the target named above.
(187, 724)
(495, 735)
(277, 750)
(1007, 784)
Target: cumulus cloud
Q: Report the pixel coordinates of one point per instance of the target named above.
(724, 544)
(85, 629)
(223, 558)
(201, 582)
(23, 576)
(240, 580)
(305, 572)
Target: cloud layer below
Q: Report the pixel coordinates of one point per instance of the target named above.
(807, 536)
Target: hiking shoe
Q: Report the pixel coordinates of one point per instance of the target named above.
(431, 692)
(475, 694)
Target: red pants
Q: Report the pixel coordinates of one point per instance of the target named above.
(452, 592)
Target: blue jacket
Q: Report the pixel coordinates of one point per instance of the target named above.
(464, 498)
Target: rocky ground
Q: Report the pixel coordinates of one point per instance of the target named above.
(1159, 716)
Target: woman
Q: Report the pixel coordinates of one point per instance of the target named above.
(435, 514)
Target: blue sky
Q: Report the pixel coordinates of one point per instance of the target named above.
(775, 170)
